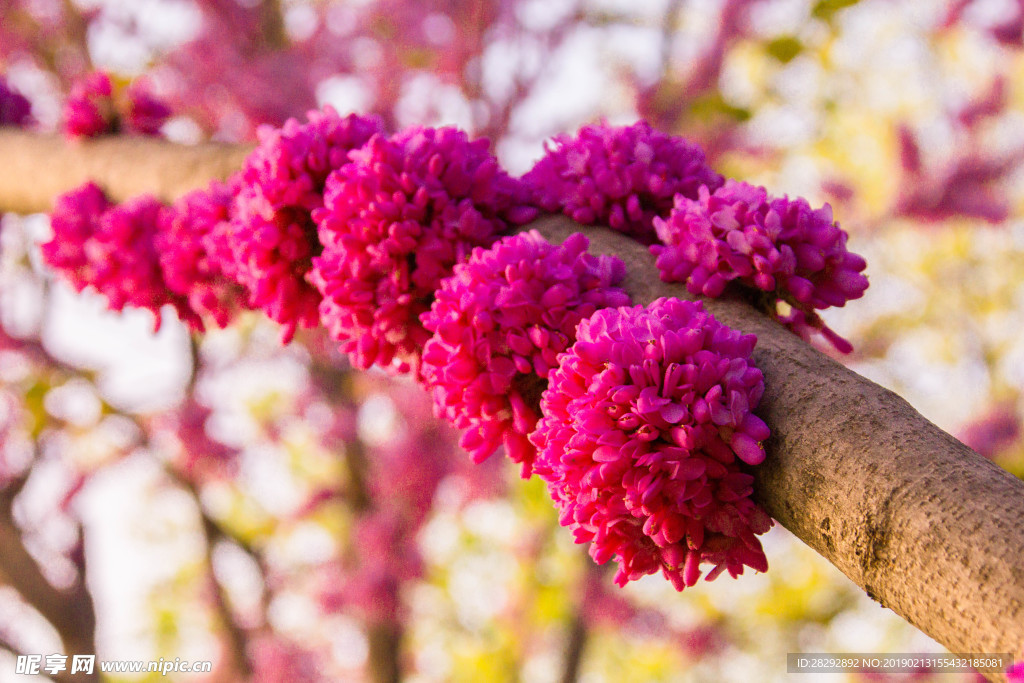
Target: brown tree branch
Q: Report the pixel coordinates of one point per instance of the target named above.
(574, 647)
(236, 636)
(385, 637)
(34, 168)
(70, 610)
(274, 36)
(213, 533)
(921, 522)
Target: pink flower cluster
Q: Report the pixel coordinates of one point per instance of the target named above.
(94, 107)
(394, 245)
(89, 110)
(395, 222)
(145, 113)
(777, 245)
(620, 176)
(499, 323)
(15, 109)
(194, 256)
(112, 249)
(272, 236)
(646, 422)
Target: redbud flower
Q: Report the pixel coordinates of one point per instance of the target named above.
(145, 112)
(620, 176)
(15, 109)
(272, 236)
(780, 246)
(89, 110)
(191, 249)
(645, 423)
(499, 323)
(96, 107)
(112, 249)
(75, 221)
(395, 222)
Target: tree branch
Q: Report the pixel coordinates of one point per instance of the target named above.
(574, 647)
(274, 36)
(34, 168)
(922, 523)
(385, 637)
(70, 611)
(236, 636)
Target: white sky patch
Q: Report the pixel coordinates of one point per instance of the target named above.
(300, 22)
(141, 370)
(347, 94)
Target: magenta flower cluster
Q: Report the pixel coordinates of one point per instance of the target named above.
(112, 249)
(639, 420)
(194, 257)
(15, 109)
(777, 245)
(499, 323)
(89, 110)
(95, 107)
(646, 421)
(145, 113)
(272, 236)
(395, 222)
(620, 176)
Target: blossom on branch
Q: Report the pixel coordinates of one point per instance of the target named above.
(272, 236)
(395, 222)
(145, 113)
(645, 424)
(96, 106)
(776, 245)
(89, 110)
(620, 176)
(499, 323)
(194, 255)
(112, 248)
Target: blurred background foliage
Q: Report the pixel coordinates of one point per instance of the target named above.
(225, 498)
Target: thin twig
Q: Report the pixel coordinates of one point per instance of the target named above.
(238, 639)
(70, 611)
(668, 33)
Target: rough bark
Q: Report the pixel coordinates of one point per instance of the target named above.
(923, 524)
